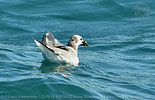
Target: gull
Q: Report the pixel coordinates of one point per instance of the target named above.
(55, 52)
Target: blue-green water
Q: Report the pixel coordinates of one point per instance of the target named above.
(119, 63)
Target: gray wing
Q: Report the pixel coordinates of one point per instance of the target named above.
(51, 54)
(49, 40)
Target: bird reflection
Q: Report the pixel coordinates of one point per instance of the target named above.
(47, 67)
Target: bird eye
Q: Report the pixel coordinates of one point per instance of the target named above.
(81, 39)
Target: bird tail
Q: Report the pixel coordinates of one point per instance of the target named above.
(47, 53)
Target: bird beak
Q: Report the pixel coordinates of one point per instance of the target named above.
(84, 43)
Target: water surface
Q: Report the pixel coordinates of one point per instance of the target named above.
(119, 63)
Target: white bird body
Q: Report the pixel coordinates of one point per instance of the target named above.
(55, 52)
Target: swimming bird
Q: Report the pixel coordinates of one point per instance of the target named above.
(55, 52)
